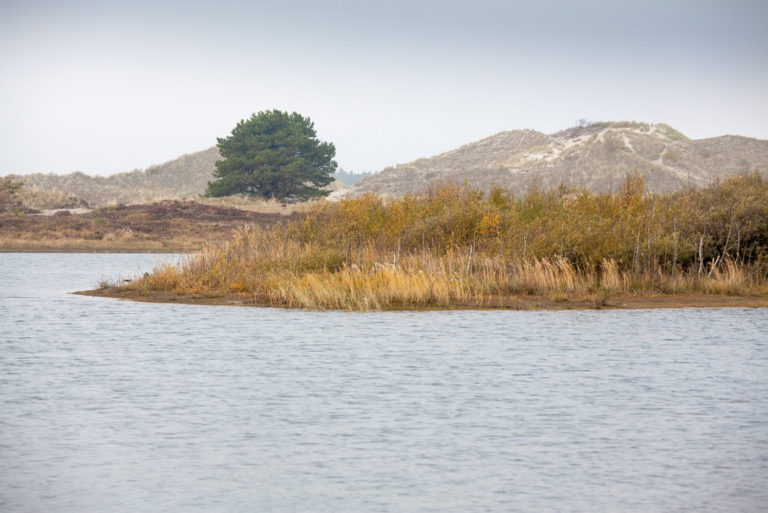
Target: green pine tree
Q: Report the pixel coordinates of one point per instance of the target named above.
(274, 155)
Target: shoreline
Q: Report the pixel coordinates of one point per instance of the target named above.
(522, 302)
(117, 250)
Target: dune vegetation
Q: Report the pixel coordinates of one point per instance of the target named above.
(165, 227)
(455, 247)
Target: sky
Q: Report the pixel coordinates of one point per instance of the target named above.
(104, 87)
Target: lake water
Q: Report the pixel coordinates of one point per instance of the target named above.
(115, 406)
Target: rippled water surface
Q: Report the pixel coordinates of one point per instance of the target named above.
(113, 406)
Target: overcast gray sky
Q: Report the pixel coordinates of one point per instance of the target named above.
(104, 87)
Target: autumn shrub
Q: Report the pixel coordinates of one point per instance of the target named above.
(454, 245)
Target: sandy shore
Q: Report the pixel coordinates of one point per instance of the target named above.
(508, 303)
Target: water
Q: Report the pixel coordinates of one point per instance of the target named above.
(113, 406)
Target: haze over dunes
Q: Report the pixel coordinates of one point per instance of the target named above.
(596, 156)
(185, 177)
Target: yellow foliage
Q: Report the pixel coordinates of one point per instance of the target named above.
(453, 246)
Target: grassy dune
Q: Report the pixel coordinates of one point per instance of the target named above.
(455, 247)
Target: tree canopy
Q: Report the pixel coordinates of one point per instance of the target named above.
(274, 155)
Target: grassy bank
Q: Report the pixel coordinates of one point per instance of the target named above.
(455, 247)
(171, 226)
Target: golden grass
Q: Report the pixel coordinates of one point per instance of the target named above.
(263, 269)
(453, 247)
(108, 245)
(117, 243)
(270, 206)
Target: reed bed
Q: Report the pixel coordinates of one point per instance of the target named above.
(455, 247)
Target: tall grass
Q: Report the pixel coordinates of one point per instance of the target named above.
(453, 246)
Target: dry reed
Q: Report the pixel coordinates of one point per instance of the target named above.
(452, 247)
(260, 268)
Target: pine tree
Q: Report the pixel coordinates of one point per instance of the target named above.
(274, 155)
